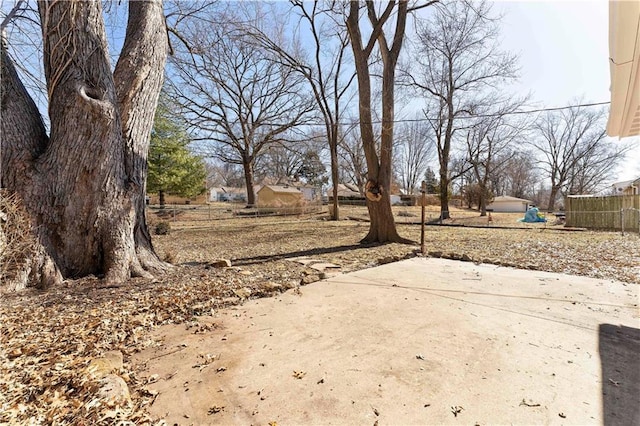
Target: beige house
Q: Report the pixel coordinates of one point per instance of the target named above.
(506, 204)
(627, 187)
(624, 62)
(279, 196)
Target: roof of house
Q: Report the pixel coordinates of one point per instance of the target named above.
(626, 183)
(282, 189)
(233, 190)
(345, 190)
(506, 198)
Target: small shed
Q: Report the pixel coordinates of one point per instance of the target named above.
(310, 193)
(506, 204)
(276, 196)
(216, 194)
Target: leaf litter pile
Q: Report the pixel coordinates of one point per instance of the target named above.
(49, 340)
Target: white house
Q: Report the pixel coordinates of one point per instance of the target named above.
(507, 204)
(216, 194)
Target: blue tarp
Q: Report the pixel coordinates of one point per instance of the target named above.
(532, 215)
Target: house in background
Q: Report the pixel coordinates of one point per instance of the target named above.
(279, 196)
(627, 187)
(309, 192)
(216, 194)
(506, 204)
(347, 194)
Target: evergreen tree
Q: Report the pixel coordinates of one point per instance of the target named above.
(172, 167)
(312, 170)
(431, 180)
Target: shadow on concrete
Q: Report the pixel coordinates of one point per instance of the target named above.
(619, 348)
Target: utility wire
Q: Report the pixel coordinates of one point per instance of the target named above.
(414, 120)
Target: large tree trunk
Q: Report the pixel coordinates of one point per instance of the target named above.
(483, 202)
(23, 139)
(382, 227)
(444, 191)
(552, 198)
(84, 192)
(80, 184)
(138, 77)
(333, 148)
(248, 181)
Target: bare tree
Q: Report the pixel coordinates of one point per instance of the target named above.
(353, 167)
(236, 98)
(518, 176)
(323, 67)
(458, 62)
(379, 158)
(575, 154)
(82, 182)
(416, 150)
(223, 174)
(489, 145)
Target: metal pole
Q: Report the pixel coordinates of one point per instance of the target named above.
(423, 201)
(622, 221)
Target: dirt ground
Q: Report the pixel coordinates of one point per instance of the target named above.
(48, 338)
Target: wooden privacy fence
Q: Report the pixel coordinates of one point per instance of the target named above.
(607, 213)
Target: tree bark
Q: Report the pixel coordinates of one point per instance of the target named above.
(382, 227)
(552, 198)
(79, 185)
(23, 139)
(248, 181)
(87, 210)
(444, 191)
(138, 76)
(333, 148)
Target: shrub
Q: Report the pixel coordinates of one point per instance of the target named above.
(163, 228)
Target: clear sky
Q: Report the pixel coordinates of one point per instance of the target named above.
(564, 53)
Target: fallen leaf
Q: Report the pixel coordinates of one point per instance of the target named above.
(215, 409)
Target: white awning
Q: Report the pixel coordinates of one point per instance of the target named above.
(624, 61)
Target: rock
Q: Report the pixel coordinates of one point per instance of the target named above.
(309, 279)
(243, 292)
(466, 258)
(221, 263)
(328, 274)
(289, 284)
(321, 266)
(102, 367)
(114, 391)
(435, 253)
(386, 259)
(271, 286)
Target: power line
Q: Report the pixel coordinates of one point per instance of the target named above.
(414, 120)
(530, 111)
